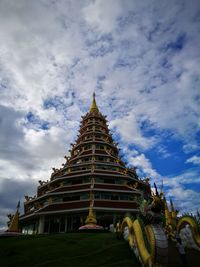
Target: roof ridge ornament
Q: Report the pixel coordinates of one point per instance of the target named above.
(94, 107)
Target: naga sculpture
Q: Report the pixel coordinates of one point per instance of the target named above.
(148, 233)
(175, 225)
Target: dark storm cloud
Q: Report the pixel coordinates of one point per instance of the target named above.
(14, 148)
(12, 137)
(10, 133)
(11, 191)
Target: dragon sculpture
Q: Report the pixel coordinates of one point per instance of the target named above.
(149, 232)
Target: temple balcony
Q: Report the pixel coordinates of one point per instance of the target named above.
(94, 116)
(96, 144)
(97, 153)
(98, 164)
(94, 123)
(44, 189)
(93, 133)
(105, 173)
(84, 205)
(82, 191)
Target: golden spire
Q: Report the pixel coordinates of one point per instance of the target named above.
(94, 107)
(91, 218)
(14, 224)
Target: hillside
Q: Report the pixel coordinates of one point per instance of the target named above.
(70, 250)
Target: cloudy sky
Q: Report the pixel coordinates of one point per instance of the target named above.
(140, 57)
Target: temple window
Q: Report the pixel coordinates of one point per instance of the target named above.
(86, 180)
(67, 182)
(114, 197)
(57, 199)
(97, 196)
(77, 181)
(98, 136)
(109, 181)
(119, 181)
(133, 198)
(86, 159)
(99, 180)
(71, 198)
(124, 197)
(84, 196)
(105, 196)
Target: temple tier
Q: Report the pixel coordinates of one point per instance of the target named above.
(94, 168)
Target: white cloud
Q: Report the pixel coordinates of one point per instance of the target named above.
(143, 163)
(103, 15)
(184, 190)
(183, 198)
(194, 160)
(130, 132)
(190, 147)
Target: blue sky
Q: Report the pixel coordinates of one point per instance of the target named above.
(140, 57)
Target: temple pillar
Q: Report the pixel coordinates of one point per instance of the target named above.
(41, 225)
(66, 224)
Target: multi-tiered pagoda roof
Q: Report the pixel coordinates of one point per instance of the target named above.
(94, 168)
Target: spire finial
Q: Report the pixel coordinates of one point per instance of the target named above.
(94, 107)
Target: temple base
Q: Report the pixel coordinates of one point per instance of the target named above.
(91, 228)
(50, 224)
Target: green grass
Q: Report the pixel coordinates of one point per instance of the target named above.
(66, 250)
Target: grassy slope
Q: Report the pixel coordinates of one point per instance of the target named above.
(70, 250)
(77, 250)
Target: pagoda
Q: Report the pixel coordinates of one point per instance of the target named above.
(93, 167)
